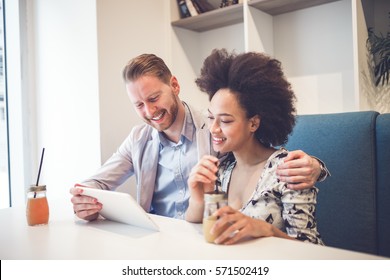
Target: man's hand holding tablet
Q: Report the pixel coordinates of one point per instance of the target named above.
(115, 206)
(84, 206)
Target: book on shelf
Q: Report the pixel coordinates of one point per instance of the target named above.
(227, 3)
(204, 5)
(188, 8)
(183, 9)
(191, 8)
(196, 6)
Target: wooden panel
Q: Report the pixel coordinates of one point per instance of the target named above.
(214, 19)
(276, 7)
(221, 17)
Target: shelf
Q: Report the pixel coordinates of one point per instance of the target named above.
(276, 7)
(221, 17)
(213, 19)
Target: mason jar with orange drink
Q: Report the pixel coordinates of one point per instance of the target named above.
(37, 209)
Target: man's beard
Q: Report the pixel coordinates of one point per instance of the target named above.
(170, 114)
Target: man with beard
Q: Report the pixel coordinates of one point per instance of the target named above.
(162, 152)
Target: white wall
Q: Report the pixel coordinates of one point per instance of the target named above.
(65, 72)
(316, 49)
(83, 112)
(126, 28)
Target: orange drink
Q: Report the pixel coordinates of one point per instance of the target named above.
(37, 209)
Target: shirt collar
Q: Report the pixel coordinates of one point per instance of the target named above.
(188, 128)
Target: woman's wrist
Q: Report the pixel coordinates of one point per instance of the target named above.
(194, 213)
(271, 231)
(197, 203)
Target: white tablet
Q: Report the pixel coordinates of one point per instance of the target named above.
(120, 207)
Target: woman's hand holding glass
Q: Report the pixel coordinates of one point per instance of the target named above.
(202, 179)
(239, 226)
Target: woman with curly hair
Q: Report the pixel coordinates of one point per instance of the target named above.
(251, 114)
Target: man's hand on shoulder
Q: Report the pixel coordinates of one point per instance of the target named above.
(299, 170)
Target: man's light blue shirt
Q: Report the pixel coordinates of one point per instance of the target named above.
(175, 162)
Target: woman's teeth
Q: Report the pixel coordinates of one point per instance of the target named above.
(219, 139)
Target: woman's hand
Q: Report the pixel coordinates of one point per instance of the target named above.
(238, 226)
(201, 180)
(202, 177)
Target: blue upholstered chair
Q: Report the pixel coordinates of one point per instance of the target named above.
(346, 206)
(383, 183)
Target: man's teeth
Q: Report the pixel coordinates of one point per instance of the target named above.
(158, 117)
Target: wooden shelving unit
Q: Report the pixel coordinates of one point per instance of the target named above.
(276, 7)
(314, 39)
(234, 14)
(212, 19)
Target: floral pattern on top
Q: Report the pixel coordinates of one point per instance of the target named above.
(292, 211)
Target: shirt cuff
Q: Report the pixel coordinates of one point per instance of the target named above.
(324, 170)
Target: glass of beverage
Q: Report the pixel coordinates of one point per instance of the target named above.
(213, 201)
(37, 209)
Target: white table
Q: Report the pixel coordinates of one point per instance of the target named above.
(68, 238)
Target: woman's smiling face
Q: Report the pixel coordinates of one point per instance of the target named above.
(228, 124)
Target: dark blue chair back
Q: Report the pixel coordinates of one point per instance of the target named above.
(346, 206)
(383, 183)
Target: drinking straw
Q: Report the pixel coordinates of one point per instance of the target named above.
(218, 181)
(39, 171)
